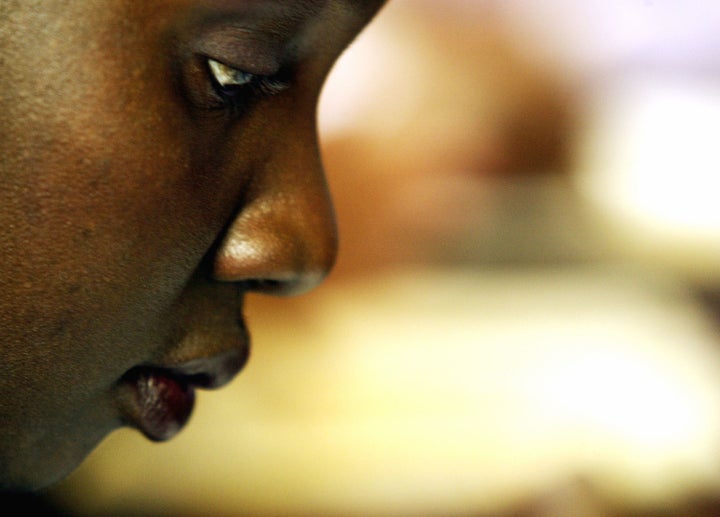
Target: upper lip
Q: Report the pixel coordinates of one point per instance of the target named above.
(231, 350)
(210, 372)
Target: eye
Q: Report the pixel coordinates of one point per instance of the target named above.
(228, 77)
(236, 86)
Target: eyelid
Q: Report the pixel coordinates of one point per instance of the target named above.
(241, 49)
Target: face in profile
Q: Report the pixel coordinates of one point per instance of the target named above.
(158, 162)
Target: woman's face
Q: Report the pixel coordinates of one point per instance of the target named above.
(158, 160)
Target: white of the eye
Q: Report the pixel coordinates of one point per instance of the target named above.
(228, 76)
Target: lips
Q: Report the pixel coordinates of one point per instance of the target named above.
(158, 401)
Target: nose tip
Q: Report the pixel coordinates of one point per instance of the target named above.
(279, 246)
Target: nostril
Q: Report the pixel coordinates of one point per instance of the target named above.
(293, 285)
(266, 286)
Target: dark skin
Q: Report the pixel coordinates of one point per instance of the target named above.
(143, 194)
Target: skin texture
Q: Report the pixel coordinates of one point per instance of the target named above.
(138, 204)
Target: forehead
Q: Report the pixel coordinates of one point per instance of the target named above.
(292, 10)
(288, 5)
(284, 12)
(29, 24)
(289, 10)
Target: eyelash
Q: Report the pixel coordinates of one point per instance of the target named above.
(246, 88)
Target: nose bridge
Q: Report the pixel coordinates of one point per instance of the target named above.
(283, 240)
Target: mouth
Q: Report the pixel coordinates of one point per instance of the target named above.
(158, 400)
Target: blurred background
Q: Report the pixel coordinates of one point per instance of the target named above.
(524, 316)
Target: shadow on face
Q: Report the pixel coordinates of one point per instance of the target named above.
(159, 159)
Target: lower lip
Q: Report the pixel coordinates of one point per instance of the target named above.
(158, 403)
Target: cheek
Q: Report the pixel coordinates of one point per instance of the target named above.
(107, 227)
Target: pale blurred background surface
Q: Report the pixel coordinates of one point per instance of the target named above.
(524, 316)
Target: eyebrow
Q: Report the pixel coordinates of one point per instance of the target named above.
(280, 17)
(292, 9)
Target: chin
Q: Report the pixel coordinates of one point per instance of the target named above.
(42, 461)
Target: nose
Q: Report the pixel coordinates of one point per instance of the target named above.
(283, 240)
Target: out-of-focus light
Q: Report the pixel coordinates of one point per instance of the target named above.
(631, 394)
(649, 160)
(456, 391)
